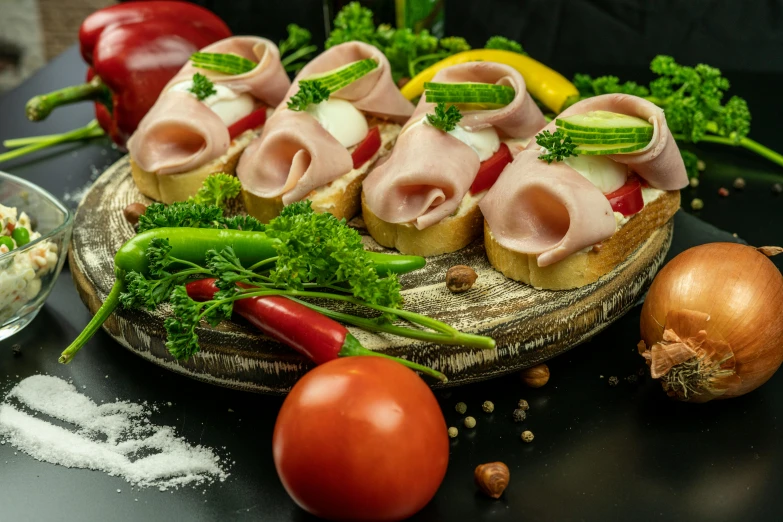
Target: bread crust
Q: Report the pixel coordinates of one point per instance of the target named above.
(582, 268)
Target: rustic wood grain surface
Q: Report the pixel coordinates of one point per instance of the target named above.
(529, 325)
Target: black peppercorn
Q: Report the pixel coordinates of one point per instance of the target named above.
(519, 415)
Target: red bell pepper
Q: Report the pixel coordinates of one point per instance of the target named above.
(133, 50)
(308, 332)
(251, 121)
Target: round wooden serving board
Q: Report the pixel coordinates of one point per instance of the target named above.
(529, 325)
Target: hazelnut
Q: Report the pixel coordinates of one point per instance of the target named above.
(536, 377)
(460, 278)
(453, 432)
(488, 407)
(492, 478)
(133, 211)
(469, 422)
(527, 436)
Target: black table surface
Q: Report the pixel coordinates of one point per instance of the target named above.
(600, 452)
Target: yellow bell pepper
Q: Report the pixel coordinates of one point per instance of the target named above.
(545, 84)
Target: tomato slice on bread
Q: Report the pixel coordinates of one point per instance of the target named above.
(490, 169)
(251, 121)
(367, 148)
(627, 200)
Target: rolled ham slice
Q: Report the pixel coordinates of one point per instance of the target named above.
(180, 133)
(519, 119)
(267, 82)
(424, 180)
(293, 156)
(374, 93)
(550, 211)
(660, 163)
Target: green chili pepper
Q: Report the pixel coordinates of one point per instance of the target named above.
(191, 244)
(7, 241)
(21, 236)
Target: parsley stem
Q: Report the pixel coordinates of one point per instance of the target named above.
(304, 51)
(747, 143)
(267, 261)
(372, 326)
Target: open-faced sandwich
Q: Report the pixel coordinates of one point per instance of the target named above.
(340, 115)
(206, 116)
(472, 119)
(598, 181)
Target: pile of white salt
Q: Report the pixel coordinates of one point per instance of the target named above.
(117, 438)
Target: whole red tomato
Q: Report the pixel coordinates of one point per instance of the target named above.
(361, 438)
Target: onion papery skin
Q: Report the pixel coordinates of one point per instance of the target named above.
(741, 291)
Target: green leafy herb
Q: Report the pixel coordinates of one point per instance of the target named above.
(505, 44)
(188, 214)
(295, 48)
(226, 63)
(202, 87)
(217, 189)
(558, 146)
(310, 92)
(409, 53)
(692, 98)
(445, 119)
(691, 162)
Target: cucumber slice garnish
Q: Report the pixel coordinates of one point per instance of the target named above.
(604, 121)
(336, 79)
(626, 140)
(600, 149)
(226, 63)
(491, 95)
(633, 136)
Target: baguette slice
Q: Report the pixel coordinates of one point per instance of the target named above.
(451, 234)
(340, 197)
(585, 267)
(169, 188)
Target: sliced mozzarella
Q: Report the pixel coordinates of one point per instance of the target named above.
(602, 172)
(228, 105)
(340, 119)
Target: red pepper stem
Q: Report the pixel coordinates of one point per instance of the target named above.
(352, 347)
(39, 107)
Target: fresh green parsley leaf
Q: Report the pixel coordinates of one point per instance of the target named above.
(353, 22)
(454, 44)
(558, 146)
(310, 92)
(505, 44)
(202, 87)
(217, 189)
(182, 340)
(321, 249)
(193, 215)
(298, 37)
(445, 119)
(691, 162)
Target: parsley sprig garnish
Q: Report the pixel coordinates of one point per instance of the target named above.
(310, 92)
(558, 146)
(445, 119)
(692, 98)
(202, 87)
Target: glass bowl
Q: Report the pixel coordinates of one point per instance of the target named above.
(28, 273)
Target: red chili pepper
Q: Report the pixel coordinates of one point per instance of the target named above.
(627, 200)
(133, 50)
(366, 148)
(251, 121)
(490, 169)
(308, 332)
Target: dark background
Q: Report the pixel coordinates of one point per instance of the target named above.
(600, 452)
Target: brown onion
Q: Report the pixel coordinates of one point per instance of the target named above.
(712, 323)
